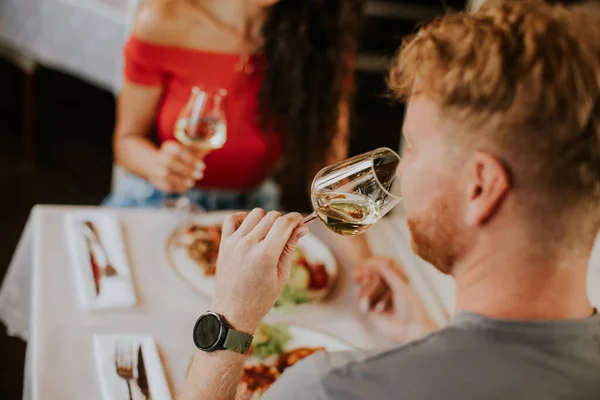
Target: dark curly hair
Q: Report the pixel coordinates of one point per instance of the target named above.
(308, 46)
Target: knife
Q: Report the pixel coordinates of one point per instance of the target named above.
(95, 268)
(93, 239)
(142, 380)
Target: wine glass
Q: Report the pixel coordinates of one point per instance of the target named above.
(353, 194)
(201, 126)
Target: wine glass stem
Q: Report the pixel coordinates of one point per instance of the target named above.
(184, 202)
(310, 218)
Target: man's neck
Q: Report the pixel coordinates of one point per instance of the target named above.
(510, 283)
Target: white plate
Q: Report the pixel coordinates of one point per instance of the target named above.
(314, 250)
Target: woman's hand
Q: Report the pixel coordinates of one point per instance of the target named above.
(177, 168)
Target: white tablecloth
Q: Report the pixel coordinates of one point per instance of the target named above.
(59, 361)
(83, 37)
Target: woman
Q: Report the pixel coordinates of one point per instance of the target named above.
(285, 66)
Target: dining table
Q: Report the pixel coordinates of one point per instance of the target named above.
(39, 303)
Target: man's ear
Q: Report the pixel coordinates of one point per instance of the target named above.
(488, 184)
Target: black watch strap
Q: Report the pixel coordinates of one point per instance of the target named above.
(237, 341)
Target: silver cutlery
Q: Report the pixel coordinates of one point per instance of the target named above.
(124, 366)
(95, 270)
(142, 379)
(95, 246)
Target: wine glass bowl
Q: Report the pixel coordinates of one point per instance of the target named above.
(353, 194)
(202, 124)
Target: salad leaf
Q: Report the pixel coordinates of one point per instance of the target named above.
(270, 340)
(297, 255)
(296, 290)
(292, 296)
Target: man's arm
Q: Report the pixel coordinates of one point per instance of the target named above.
(252, 269)
(214, 376)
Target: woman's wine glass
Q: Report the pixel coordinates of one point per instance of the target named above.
(202, 127)
(353, 194)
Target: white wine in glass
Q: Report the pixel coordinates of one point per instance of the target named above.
(202, 124)
(353, 194)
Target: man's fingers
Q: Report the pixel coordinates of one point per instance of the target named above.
(281, 232)
(251, 221)
(288, 250)
(372, 293)
(393, 274)
(363, 295)
(385, 303)
(296, 235)
(232, 223)
(368, 268)
(264, 226)
(361, 275)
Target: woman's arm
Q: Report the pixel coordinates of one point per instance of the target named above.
(136, 112)
(172, 167)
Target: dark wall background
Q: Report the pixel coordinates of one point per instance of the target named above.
(377, 121)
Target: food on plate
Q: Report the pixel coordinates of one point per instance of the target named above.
(202, 243)
(290, 358)
(307, 281)
(270, 340)
(256, 380)
(315, 275)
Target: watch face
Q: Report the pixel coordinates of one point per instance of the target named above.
(207, 331)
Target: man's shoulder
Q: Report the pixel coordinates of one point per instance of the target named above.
(375, 372)
(473, 357)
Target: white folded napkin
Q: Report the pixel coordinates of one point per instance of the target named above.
(114, 387)
(114, 291)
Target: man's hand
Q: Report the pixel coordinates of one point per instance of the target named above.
(254, 265)
(386, 294)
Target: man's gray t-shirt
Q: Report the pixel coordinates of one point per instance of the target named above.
(474, 357)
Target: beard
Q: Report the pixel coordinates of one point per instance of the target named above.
(436, 236)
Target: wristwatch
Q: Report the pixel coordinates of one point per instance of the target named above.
(212, 332)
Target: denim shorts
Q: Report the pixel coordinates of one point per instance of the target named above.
(135, 192)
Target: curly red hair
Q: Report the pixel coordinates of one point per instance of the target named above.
(522, 80)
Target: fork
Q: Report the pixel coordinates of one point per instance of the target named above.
(124, 365)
